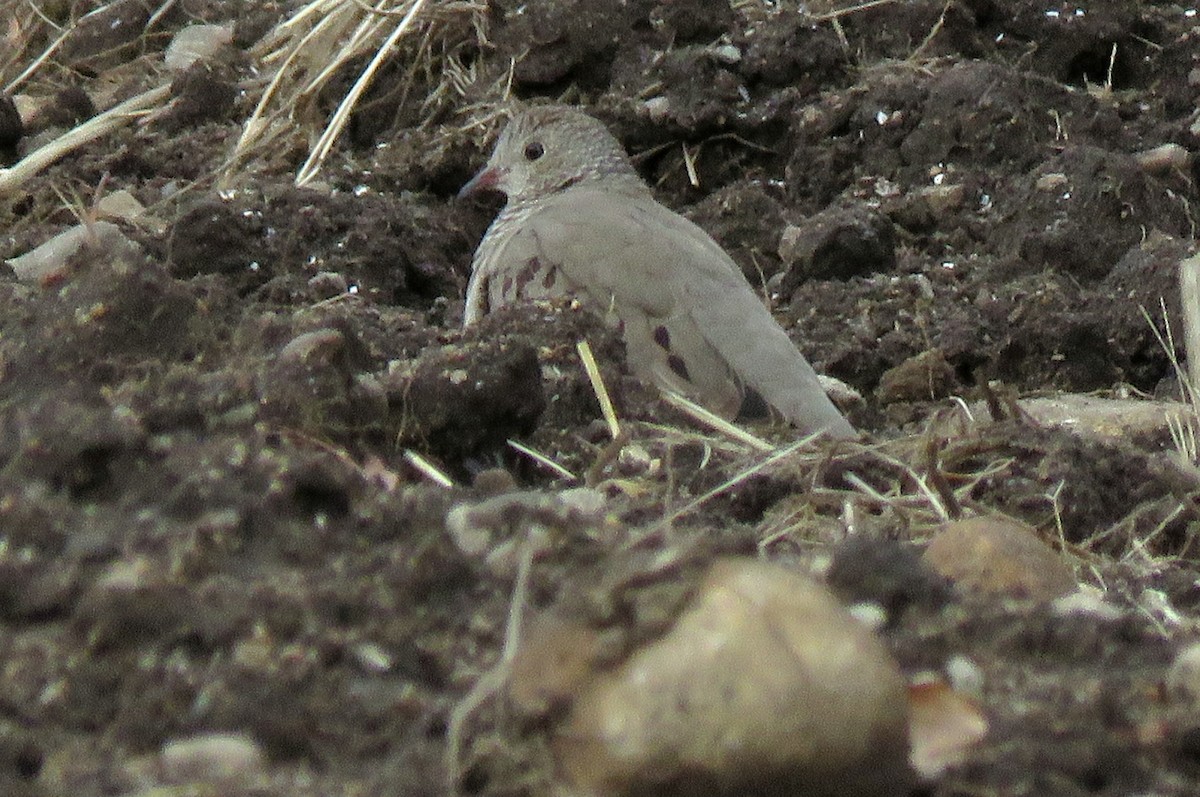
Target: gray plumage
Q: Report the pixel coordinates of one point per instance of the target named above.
(580, 222)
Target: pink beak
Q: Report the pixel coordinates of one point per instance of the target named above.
(488, 179)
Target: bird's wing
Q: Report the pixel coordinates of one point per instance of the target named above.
(691, 319)
(735, 321)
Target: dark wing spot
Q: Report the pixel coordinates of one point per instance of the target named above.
(678, 366)
(485, 302)
(506, 287)
(549, 279)
(527, 273)
(662, 337)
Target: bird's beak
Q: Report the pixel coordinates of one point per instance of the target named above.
(488, 179)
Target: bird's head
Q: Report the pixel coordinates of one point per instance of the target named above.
(546, 149)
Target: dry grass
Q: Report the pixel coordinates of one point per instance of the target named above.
(99, 125)
(310, 51)
(30, 42)
(314, 69)
(1183, 428)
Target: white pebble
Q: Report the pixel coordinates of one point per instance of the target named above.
(1183, 677)
(965, 676)
(194, 43)
(212, 758)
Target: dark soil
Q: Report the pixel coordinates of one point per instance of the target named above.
(210, 519)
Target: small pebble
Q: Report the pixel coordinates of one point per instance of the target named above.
(870, 614)
(194, 43)
(319, 345)
(1164, 158)
(965, 675)
(1055, 181)
(583, 500)
(327, 284)
(1088, 601)
(371, 657)
(494, 481)
(727, 54)
(218, 758)
(1183, 677)
(657, 108)
(943, 199)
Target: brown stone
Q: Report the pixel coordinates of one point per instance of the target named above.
(923, 377)
(1000, 556)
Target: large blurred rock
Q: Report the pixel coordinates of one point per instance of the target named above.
(763, 685)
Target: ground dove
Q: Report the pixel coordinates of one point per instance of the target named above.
(579, 222)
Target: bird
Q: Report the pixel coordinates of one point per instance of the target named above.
(579, 222)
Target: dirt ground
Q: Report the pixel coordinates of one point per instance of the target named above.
(210, 516)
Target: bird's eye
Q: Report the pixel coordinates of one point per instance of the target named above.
(534, 150)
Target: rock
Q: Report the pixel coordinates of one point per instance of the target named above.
(494, 481)
(838, 243)
(1106, 419)
(11, 125)
(194, 43)
(943, 199)
(885, 572)
(1163, 159)
(994, 555)
(314, 383)
(945, 725)
(219, 758)
(327, 284)
(927, 207)
(965, 676)
(323, 345)
(1087, 601)
(124, 206)
(50, 261)
(1183, 677)
(1049, 183)
(923, 377)
(763, 684)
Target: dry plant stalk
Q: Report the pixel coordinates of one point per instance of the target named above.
(309, 49)
(90, 130)
(733, 481)
(427, 469)
(593, 374)
(1189, 300)
(542, 459)
(715, 422)
(1182, 427)
(491, 682)
(845, 12)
